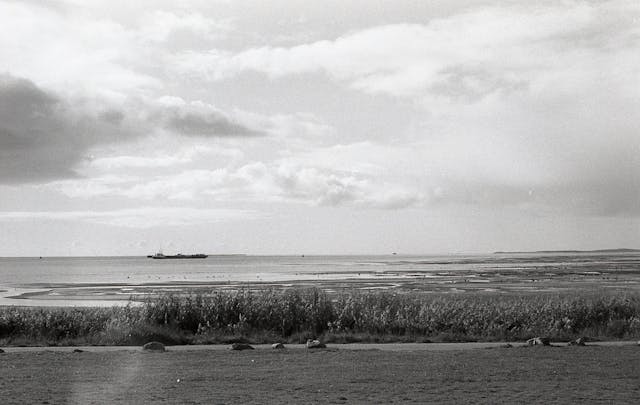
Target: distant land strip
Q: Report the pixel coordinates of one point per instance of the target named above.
(622, 250)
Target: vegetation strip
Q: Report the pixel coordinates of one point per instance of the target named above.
(295, 315)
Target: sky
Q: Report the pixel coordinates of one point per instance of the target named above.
(328, 127)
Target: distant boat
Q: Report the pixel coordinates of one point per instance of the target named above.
(178, 256)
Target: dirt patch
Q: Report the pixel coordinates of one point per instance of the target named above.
(514, 375)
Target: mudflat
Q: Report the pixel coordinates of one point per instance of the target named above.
(74, 281)
(591, 374)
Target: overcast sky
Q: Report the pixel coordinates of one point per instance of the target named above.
(292, 127)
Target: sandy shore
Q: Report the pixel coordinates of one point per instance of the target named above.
(47, 297)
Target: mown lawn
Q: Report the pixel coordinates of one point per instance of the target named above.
(516, 375)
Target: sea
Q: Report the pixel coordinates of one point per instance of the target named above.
(89, 281)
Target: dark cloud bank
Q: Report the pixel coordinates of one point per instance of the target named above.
(38, 138)
(190, 121)
(43, 137)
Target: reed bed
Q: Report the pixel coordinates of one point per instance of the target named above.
(297, 314)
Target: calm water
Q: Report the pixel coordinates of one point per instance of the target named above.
(91, 278)
(117, 270)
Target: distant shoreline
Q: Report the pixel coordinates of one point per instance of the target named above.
(623, 250)
(454, 254)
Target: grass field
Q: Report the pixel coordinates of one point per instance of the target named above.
(517, 375)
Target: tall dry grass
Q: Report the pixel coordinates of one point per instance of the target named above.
(296, 314)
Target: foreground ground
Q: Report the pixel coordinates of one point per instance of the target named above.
(594, 374)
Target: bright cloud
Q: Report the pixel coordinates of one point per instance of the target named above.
(519, 98)
(182, 28)
(281, 181)
(468, 55)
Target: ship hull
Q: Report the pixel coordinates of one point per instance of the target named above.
(162, 257)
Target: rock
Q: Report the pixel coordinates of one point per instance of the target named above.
(1, 351)
(506, 346)
(277, 346)
(578, 342)
(315, 344)
(241, 346)
(154, 347)
(538, 341)
(78, 350)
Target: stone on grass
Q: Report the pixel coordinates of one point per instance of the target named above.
(538, 341)
(78, 350)
(277, 346)
(578, 342)
(154, 347)
(241, 346)
(315, 344)
(1, 351)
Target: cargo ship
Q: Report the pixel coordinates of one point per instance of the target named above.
(178, 256)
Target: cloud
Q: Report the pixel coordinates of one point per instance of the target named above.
(472, 171)
(181, 29)
(41, 137)
(528, 105)
(334, 188)
(101, 48)
(143, 217)
(44, 136)
(199, 119)
(69, 51)
(468, 55)
(279, 181)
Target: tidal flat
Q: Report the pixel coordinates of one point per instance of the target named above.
(119, 280)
